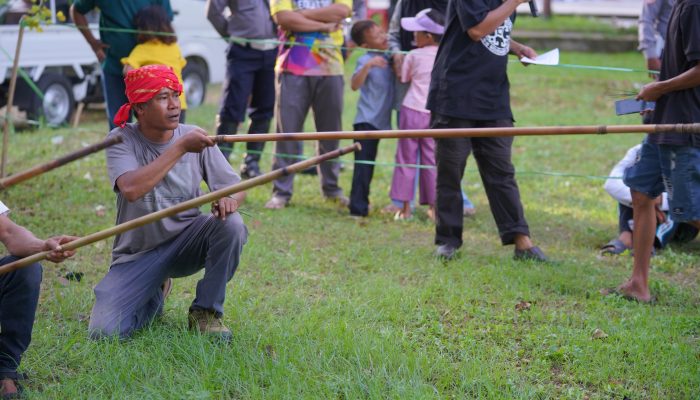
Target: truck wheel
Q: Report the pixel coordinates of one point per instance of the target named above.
(194, 77)
(58, 103)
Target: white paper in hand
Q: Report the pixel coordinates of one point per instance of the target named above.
(549, 58)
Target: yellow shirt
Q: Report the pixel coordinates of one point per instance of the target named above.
(156, 52)
(313, 53)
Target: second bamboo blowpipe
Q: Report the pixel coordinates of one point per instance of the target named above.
(185, 205)
(40, 169)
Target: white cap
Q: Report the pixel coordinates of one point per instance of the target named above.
(422, 23)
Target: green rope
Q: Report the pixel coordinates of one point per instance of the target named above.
(417, 166)
(242, 40)
(567, 175)
(600, 68)
(302, 157)
(594, 67)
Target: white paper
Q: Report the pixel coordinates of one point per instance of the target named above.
(549, 58)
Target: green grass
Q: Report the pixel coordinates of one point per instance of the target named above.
(325, 306)
(573, 23)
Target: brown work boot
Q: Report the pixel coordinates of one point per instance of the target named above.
(207, 323)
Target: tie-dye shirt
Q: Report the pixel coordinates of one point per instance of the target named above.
(313, 53)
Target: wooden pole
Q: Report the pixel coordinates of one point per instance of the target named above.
(436, 133)
(547, 9)
(186, 205)
(465, 132)
(40, 169)
(11, 98)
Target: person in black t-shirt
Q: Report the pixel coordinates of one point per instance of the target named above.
(470, 88)
(670, 161)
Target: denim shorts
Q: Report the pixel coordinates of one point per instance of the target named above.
(674, 169)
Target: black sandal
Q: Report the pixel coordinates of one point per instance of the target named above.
(534, 253)
(613, 248)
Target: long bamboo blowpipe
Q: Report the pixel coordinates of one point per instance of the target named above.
(40, 169)
(186, 205)
(464, 132)
(435, 133)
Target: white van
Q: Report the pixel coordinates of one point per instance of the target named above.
(63, 70)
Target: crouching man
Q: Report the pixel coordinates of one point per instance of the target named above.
(160, 163)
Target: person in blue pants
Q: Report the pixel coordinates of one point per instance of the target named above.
(19, 295)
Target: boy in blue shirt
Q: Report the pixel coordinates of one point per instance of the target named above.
(375, 79)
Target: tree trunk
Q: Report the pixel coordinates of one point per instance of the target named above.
(547, 9)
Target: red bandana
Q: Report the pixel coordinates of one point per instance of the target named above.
(142, 84)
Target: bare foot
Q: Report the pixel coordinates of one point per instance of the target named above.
(431, 213)
(276, 203)
(390, 209)
(635, 291)
(402, 216)
(630, 290)
(406, 211)
(8, 387)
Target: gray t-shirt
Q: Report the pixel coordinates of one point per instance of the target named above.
(182, 183)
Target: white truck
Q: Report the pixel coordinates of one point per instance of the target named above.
(63, 69)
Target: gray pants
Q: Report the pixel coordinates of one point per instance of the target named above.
(295, 95)
(130, 295)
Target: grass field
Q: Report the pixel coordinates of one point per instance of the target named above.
(573, 23)
(325, 306)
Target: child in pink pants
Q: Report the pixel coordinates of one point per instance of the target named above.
(427, 26)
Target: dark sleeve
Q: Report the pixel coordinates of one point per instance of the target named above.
(395, 28)
(215, 15)
(168, 10)
(84, 6)
(471, 12)
(690, 23)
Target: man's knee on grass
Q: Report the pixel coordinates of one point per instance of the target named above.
(117, 314)
(106, 328)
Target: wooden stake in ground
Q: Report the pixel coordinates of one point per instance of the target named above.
(465, 132)
(40, 169)
(11, 98)
(78, 114)
(186, 205)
